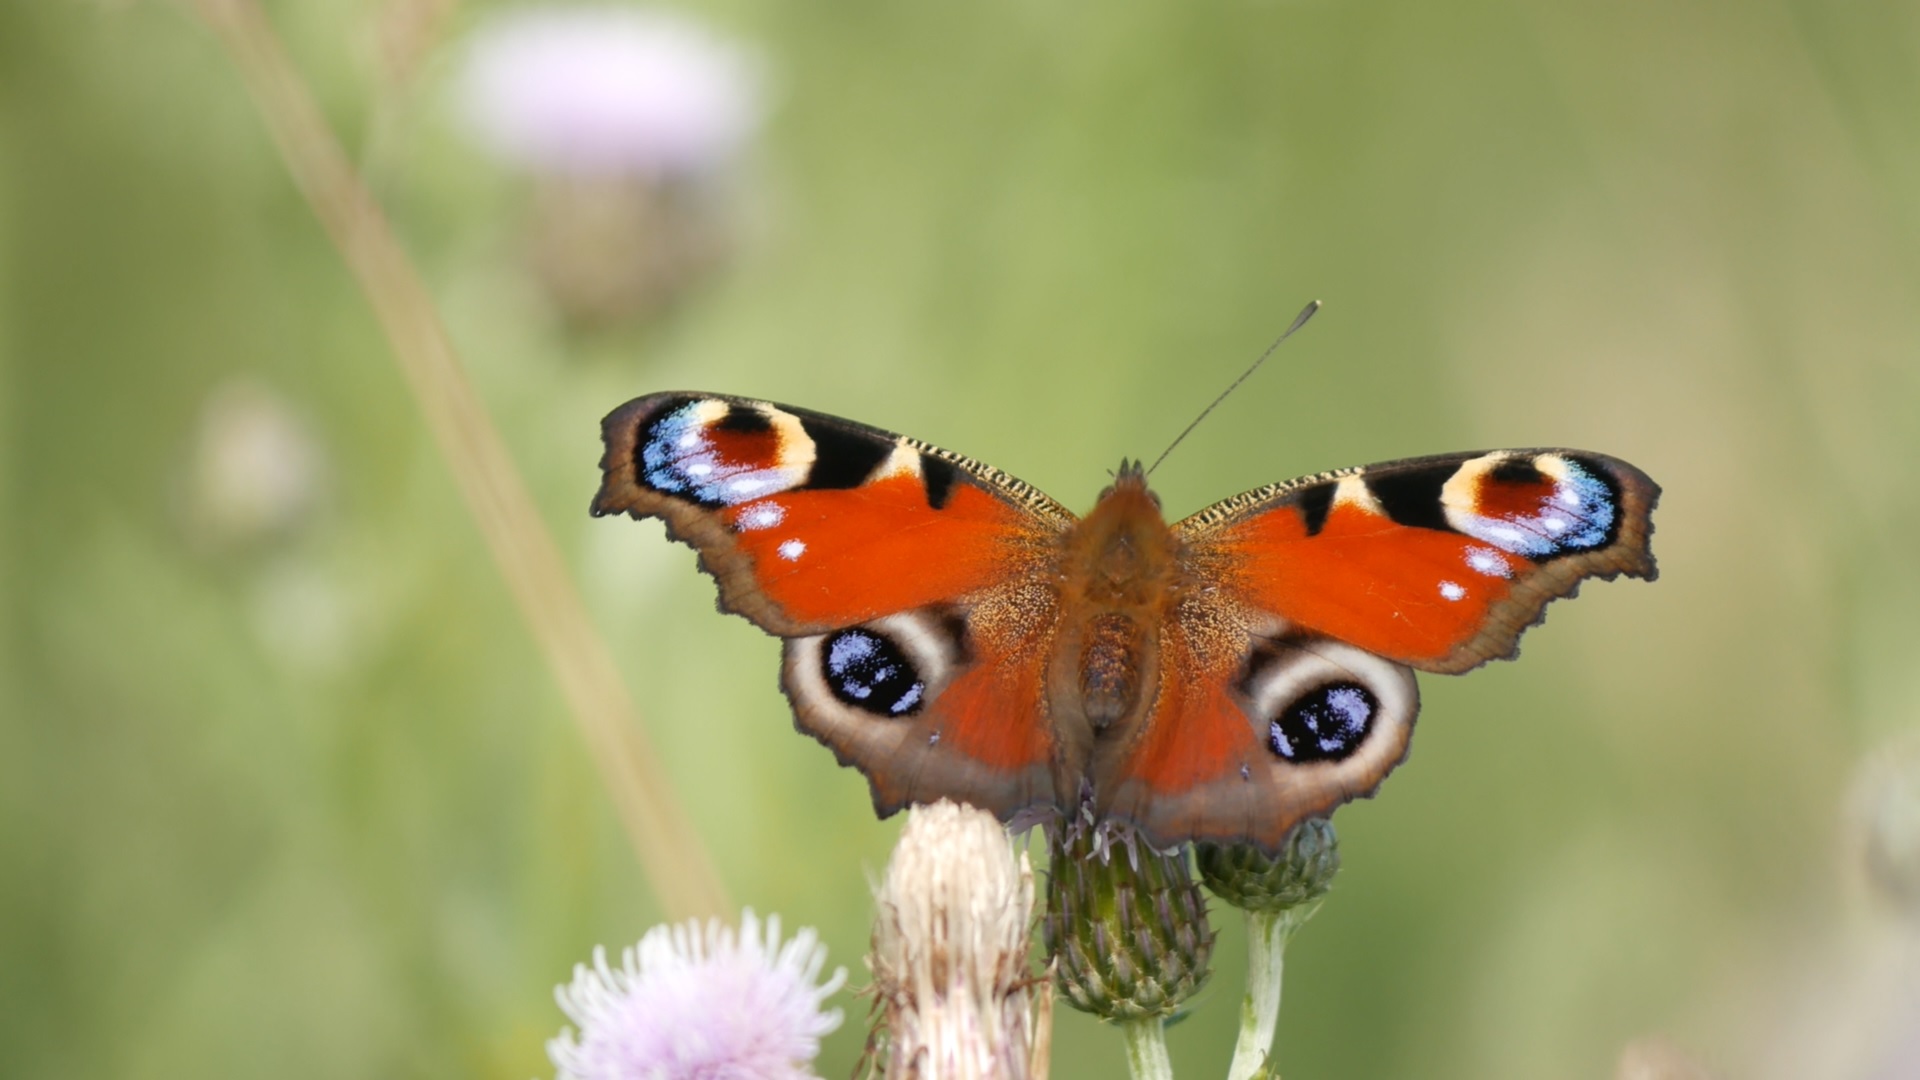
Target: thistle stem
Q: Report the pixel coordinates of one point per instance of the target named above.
(1147, 1049)
(1267, 935)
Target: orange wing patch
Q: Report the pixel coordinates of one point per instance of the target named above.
(1411, 594)
(846, 556)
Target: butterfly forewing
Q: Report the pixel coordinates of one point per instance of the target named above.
(810, 522)
(1441, 562)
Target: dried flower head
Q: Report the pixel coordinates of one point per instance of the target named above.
(694, 1002)
(596, 90)
(950, 949)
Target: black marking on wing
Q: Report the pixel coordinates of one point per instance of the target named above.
(648, 434)
(1522, 470)
(1412, 496)
(841, 458)
(954, 625)
(938, 476)
(1315, 503)
(665, 473)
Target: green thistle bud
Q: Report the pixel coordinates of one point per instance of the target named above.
(1301, 874)
(1126, 926)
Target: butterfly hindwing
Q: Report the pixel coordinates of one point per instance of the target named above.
(1243, 747)
(1439, 563)
(928, 708)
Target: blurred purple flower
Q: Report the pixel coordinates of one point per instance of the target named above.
(694, 1002)
(596, 90)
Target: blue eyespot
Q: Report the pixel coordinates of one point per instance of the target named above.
(870, 673)
(1327, 724)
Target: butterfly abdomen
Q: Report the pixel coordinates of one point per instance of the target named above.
(1118, 575)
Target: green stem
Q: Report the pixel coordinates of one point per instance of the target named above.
(1147, 1049)
(1267, 935)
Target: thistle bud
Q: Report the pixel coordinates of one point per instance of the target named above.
(1126, 926)
(1247, 878)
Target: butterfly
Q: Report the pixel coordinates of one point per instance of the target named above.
(952, 631)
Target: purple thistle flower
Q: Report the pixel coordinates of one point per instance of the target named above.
(700, 1003)
(599, 90)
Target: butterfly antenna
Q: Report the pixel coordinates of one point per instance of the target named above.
(1299, 321)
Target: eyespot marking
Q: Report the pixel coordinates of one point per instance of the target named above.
(715, 453)
(1326, 724)
(1538, 507)
(871, 673)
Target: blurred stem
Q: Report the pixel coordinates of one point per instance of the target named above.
(525, 553)
(1267, 935)
(1147, 1049)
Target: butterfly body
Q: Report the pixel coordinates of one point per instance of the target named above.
(953, 632)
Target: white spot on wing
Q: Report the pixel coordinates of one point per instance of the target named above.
(792, 549)
(1452, 590)
(763, 515)
(1489, 562)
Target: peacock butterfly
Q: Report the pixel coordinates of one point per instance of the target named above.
(952, 631)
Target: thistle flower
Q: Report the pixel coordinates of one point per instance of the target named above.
(628, 121)
(694, 1002)
(950, 950)
(597, 90)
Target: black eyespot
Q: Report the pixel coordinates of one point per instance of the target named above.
(1326, 724)
(870, 673)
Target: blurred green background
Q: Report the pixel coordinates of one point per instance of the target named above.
(288, 791)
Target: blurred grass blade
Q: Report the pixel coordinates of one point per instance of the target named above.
(662, 836)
